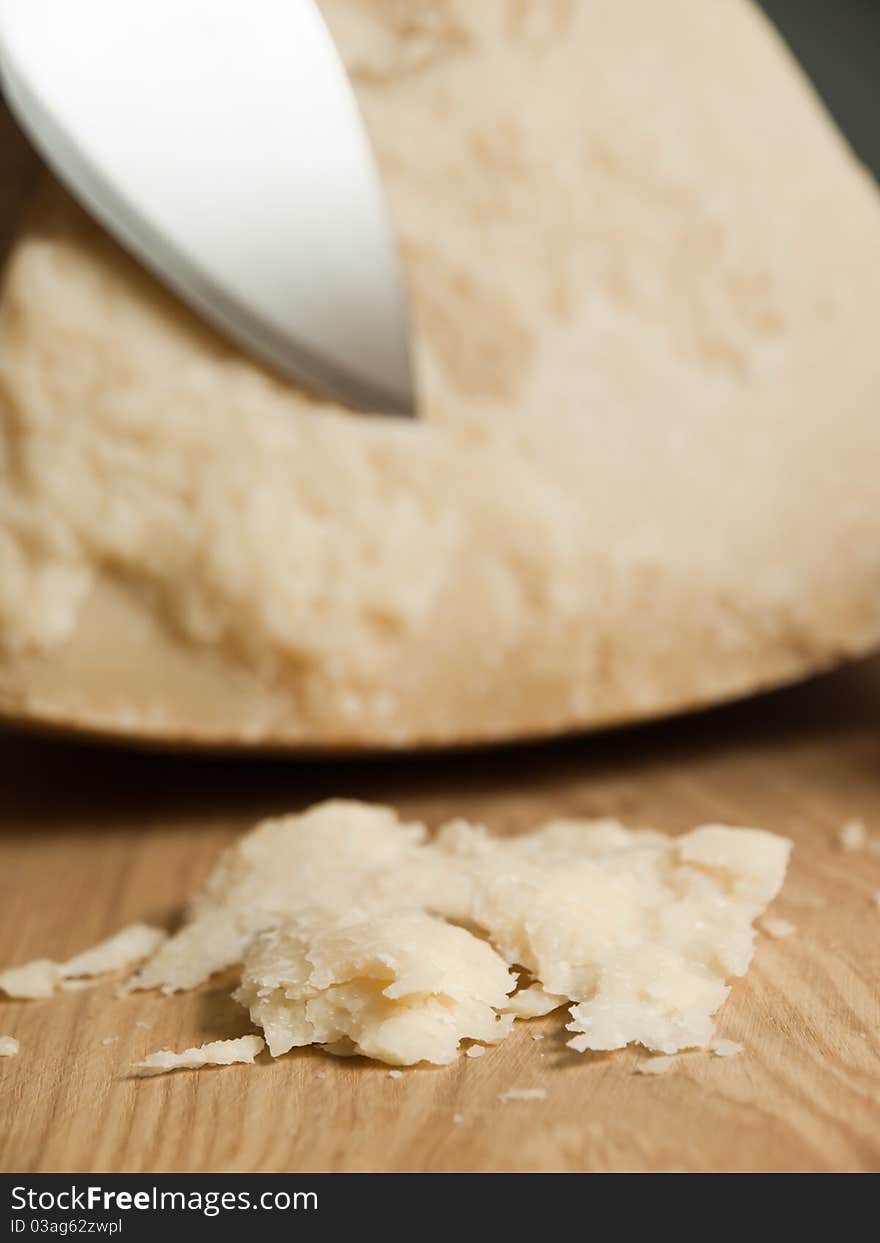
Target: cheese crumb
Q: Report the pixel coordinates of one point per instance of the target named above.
(42, 977)
(9, 1046)
(655, 1066)
(401, 988)
(523, 1094)
(395, 1074)
(726, 1048)
(458, 1119)
(778, 929)
(476, 1050)
(537, 1035)
(853, 836)
(215, 1053)
(109, 1040)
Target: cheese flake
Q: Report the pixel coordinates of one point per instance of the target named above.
(214, 1053)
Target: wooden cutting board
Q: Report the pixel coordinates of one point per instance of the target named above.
(91, 839)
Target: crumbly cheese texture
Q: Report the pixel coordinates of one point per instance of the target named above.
(9, 1046)
(639, 930)
(214, 1053)
(360, 934)
(42, 977)
(401, 989)
(645, 305)
(336, 859)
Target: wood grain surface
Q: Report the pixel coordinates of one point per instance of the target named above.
(91, 839)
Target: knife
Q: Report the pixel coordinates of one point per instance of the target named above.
(220, 142)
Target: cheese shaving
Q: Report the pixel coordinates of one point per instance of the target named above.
(215, 1053)
(42, 977)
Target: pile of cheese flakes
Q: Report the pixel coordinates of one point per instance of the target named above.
(356, 932)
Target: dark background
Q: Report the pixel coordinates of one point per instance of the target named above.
(838, 43)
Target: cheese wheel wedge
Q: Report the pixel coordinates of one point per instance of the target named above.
(645, 278)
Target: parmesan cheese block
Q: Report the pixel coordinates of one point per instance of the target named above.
(645, 475)
(42, 977)
(401, 989)
(214, 1053)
